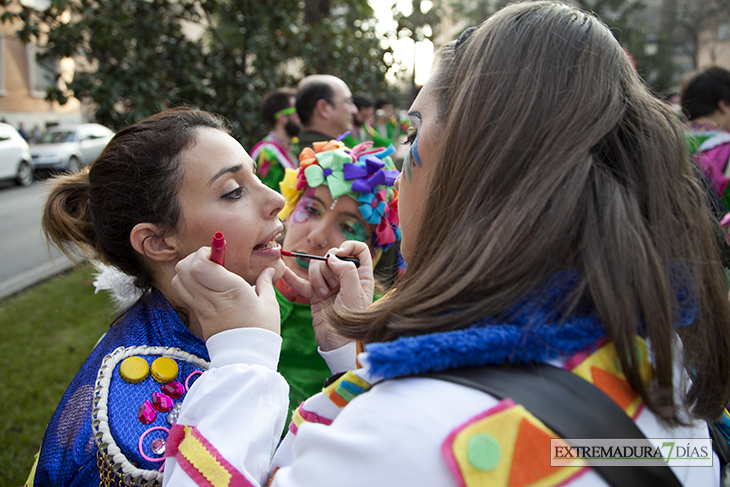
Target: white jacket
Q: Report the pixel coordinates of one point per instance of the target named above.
(391, 435)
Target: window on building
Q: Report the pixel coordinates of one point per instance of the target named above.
(722, 32)
(42, 74)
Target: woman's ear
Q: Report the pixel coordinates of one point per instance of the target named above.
(145, 239)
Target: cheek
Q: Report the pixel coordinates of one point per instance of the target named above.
(359, 233)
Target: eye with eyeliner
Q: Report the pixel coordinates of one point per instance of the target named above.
(353, 229)
(411, 135)
(233, 195)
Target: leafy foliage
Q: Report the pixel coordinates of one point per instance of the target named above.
(136, 57)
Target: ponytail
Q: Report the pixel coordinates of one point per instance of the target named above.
(66, 220)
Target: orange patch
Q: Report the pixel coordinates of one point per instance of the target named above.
(531, 459)
(337, 399)
(617, 389)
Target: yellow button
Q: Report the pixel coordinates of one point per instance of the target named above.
(164, 369)
(134, 369)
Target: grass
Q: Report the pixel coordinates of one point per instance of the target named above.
(47, 333)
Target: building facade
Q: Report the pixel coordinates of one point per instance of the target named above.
(23, 84)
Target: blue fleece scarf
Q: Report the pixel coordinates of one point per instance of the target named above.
(534, 331)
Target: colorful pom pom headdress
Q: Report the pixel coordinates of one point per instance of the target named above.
(364, 174)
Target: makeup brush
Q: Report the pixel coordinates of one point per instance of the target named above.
(286, 253)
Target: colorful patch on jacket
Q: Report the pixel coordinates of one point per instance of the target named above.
(602, 368)
(137, 399)
(341, 391)
(506, 446)
(346, 388)
(201, 460)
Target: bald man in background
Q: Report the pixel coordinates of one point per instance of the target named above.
(325, 108)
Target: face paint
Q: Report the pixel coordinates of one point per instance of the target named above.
(354, 230)
(306, 208)
(414, 152)
(407, 165)
(303, 263)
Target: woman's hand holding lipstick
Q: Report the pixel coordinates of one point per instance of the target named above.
(222, 300)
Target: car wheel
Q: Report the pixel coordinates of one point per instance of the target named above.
(73, 164)
(25, 174)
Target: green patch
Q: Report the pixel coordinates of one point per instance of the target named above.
(48, 331)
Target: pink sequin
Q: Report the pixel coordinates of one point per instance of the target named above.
(161, 402)
(173, 389)
(146, 413)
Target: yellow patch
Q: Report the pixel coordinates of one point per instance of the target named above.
(602, 369)
(193, 450)
(506, 446)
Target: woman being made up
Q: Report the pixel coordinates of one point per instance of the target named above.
(329, 200)
(158, 192)
(548, 214)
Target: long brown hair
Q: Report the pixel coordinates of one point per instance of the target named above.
(554, 156)
(134, 180)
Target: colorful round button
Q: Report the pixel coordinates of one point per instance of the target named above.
(164, 369)
(483, 451)
(134, 369)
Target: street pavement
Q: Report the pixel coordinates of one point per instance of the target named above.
(25, 259)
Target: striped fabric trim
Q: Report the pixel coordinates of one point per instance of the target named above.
(346, 388)
(340, 392)
(301, 415)
(201, 460)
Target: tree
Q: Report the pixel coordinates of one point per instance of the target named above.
(136, 57)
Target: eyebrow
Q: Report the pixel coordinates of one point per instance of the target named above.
(415, 114)
(225, 170)
(356, 217)
(315, 198)
(346, 213)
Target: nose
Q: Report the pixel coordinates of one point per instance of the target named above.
(319, 235)
(274, 204)
(397, 182)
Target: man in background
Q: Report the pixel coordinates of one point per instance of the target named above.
(325, 107)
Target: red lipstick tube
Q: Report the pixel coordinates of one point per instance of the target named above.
(218, 248)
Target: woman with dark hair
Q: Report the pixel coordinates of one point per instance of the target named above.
(548, 215)
(158, 192)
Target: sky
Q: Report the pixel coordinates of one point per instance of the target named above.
(404, 50)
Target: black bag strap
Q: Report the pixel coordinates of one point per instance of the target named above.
(568, 405)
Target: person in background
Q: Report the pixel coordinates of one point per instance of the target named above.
(361, 120)
(325, 107)
(705, 101)
(23, 133)
(277, 151)
(562, 225)
(386, 124)
(36, 134)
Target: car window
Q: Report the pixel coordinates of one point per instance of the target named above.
(57, 137)
(100, 132)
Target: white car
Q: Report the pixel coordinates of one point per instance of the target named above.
(15, 161)
(70, 147)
